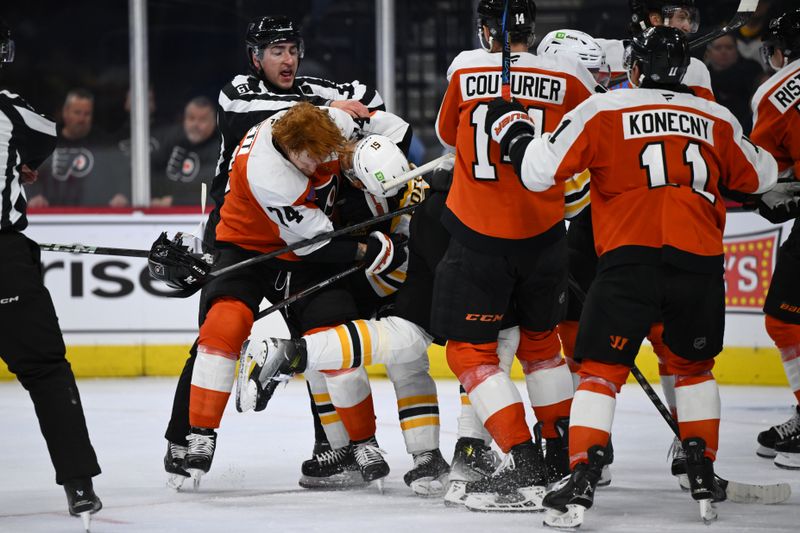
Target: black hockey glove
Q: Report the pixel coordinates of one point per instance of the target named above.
(505, 121)
(182, 263)
(781, 203)
(384, 253)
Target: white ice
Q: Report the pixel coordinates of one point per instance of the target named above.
(252, 486)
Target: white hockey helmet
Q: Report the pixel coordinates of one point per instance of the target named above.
(582, 47)
(376, 159)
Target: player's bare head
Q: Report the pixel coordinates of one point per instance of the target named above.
(310, 134)
(520, 22)
(680, 14)
(781, 43)
(274, 50)
(6, 44)
(657, 57)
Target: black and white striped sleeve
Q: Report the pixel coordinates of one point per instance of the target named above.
(330, 91)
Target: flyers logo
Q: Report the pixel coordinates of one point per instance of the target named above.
(749, 263)
(477, 317)
(618, 343)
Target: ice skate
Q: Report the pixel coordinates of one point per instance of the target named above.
(678, 466)
(429, 475)
(262, 366)
(517, 486)
(769, 438)
(472, 460)
(200, 453)
(81, 500)
(702, 483)
(570, 498)
(556, 458)
(788, 453)
(173, 464)
(331, 469)
(370, 461)
(605, 475)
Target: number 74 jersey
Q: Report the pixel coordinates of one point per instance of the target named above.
(657, 159)
(487, 199)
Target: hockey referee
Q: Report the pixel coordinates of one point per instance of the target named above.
(31, 344)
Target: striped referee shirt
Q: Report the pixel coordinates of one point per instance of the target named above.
(26, 138)
(248, 100)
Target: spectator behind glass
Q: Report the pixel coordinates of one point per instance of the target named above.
(189, 156)
(733, 78)
(63, 177)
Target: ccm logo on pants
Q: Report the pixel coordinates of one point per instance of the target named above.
(9, 300)
(475, 317)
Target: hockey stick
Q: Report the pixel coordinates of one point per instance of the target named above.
(743, 13)
(185, 293)
(505, 71)
(735, 491)
(97, 250)
(309, 290)
(404, 178)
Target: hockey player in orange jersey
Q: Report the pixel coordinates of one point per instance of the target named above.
(507, 249)
(776, 117)
(658, 156)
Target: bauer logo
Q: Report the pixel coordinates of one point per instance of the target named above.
(749, 263)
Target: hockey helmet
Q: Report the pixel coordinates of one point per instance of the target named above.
(520, 21)
(6, 44)
(582, 47)
(182, 263)
(783, 34)
(681, 14)
(265, 31)
(662, 54)
(376, 159)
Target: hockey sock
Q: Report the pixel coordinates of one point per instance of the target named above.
(351, 395)
(655, 336)
(331, 422)
(568, 332)
(547, 378)
(492, 393)
(697, 397)
(226, 326)
(592, 412)
(417, 404)
(787, 338)
(469, 425)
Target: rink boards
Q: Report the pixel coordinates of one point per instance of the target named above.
(117, 321)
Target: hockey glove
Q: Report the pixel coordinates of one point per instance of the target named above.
(181, 263)
(781, 203)
(505, 121)
(384, 253)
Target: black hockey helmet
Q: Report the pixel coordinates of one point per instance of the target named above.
(6, 44)
(520, 21)
(669, 9)
(782, 34)
(662, 54)
(265, 31)
(182, 263)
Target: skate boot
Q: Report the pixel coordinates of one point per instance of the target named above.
(331, 469)
(262, 366)
(769, 438)
(517, 486)
(702, 483)
(81, 499)
(605, 475)
(472, 460)
(556, 457)
(173, 464)
(678, 466)
(429, 475)
(200, 453)
(370, 461)
(568, 500)
(788, 453)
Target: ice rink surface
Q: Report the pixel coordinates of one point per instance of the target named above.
(252, 486)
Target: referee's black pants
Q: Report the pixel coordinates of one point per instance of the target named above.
(33, 348)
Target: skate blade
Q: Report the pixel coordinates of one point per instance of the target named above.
(525, 500)
(379, 485)
(787, 461)
(708, 511)
(175, 481)
(243, 400)
(766, 453)
(456, 493)
(196, 474)
(683, 482)
(569, 520)
(343, 481)
(86, 518)
(429, 487)
(605, 477)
